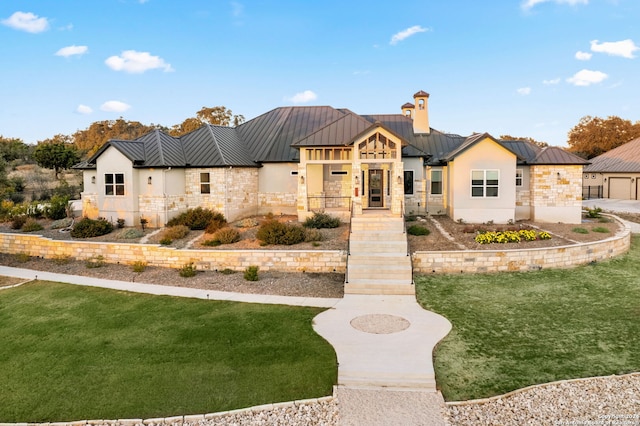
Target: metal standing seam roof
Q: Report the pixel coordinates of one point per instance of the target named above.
(276, 136)
(622, 159)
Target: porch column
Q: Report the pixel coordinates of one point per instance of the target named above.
(356, 183)
(397, 188)
(303, 208)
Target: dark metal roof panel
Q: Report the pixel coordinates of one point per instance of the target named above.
(527, 151)
(339, 133)
(269, 137)
(133, 150)
(233, 150)
(557, 155)
(161, 150)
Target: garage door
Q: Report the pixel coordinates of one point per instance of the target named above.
(620, 188)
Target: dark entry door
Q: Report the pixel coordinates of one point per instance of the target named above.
(376, 188)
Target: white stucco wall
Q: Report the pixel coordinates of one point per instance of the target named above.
(484, 155)
(114, 207)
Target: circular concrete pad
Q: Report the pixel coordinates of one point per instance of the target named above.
(380, 323)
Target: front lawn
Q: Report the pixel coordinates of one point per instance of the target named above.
(72, 353)
(511, 330)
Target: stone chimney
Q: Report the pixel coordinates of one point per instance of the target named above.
(421, 114)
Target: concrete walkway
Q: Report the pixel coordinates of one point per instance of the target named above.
(613, 206)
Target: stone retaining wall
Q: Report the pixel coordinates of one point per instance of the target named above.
(167, 257)
(424, 262)
(482, 261)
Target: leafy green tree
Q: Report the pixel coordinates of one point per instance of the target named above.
(217, 116)
(593, 136)
(13, 149)
(523, 138)
(56, 153)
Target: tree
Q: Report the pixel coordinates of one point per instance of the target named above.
(524, 138)
(217, 116)
(13, 149)
(593, 136)
(56, 153)
(97, 134)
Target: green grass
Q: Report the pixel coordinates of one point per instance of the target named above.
(579, 230)
(513, 330)
(71, 353)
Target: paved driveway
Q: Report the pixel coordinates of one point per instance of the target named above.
(613, 205)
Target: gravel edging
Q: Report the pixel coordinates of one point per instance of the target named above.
(607, 400)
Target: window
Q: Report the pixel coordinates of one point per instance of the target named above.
(339, 172)
(408, 182)
(205, 183)
(114, 184)
(484, 183)
(519, 177)
(294, 173)
(436, 182)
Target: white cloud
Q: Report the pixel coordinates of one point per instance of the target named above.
(528, 4)
(398, 37)
(551, 82)
(587, 78)
(114, 106)
(524, 91)
(303, 97)
(27, 21)
(135, 62)
(583, 56)
(84, 109)
(624, 48)
(72, 50)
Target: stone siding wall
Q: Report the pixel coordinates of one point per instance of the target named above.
(156, 255)
(277, 202)
(482, 261)
(556, 186)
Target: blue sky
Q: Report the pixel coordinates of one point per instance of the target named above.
(520, 67)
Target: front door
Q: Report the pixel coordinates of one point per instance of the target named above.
(376, 188)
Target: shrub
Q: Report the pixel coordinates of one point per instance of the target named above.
(251, 273)
(57, 207)
(312, 235)
(32, 225)
(579, 230)
(274, 232)
(227, 271)
(227, 235)
(18, 221)
(95, 262)
(600, 229)
(139, 266)
(321, 220)
(417, 230)
(129, 234)
(87, 228)
(594, 212)
(188, 270)
(211, 243)
(166, 241)
(175, 232)
(120, 222)
(199, 218)
(22, 257)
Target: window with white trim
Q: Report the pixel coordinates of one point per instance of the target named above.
(485, 183)
(114, 184)
(519, 175)
(205, 183)
(436, 182)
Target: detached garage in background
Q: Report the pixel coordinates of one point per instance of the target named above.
(614, 174)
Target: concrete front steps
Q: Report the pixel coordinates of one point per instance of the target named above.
(378, 258)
